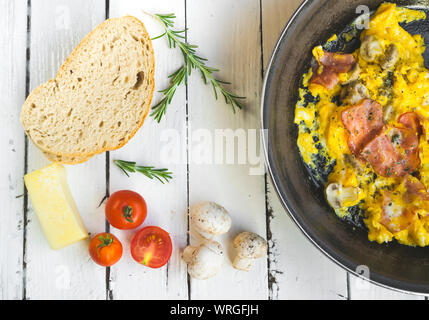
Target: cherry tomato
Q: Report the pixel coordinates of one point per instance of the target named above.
(105, 249)
(152, 247)
(126, 210)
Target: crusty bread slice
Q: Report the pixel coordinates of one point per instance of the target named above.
(65, 159)
(100, 96)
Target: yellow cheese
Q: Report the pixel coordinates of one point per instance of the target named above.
(54, 206)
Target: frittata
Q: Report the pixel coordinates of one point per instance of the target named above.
(363, 122)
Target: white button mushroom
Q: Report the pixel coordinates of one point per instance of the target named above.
(390, 58)
(354, 74)
(353, 93)
(209, 219)
(337, 195)
(370, 48)
(249, 247)
(204, 261)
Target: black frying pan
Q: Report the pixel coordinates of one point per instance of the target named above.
(391, 265)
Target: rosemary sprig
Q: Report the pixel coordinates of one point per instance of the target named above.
(177, 78)
(176, 38)
(150, 172)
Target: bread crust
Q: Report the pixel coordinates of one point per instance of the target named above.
(65, 160)
(86, 156)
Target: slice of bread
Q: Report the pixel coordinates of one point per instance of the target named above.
(100, 96)
(65, 159)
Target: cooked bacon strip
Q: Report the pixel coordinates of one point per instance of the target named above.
(363, 121)
(333, 64)
(394, 152)
(411, 120)
(381, 155)
(406, 144)
(415, 190)
(328, 78)
(338, 62)
(395, 217)
(399, 216)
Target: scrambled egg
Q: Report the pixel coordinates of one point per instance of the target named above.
(322, 138)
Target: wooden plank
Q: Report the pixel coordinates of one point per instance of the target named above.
(13, 23)
(56, 28)
(291, 274)
(228, 35)
(167, 204)
(298, 270)
(363, 290)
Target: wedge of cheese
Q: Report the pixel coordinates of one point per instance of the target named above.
(54, 205)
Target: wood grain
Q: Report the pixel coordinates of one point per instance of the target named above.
(167, 203)
(237, 37)
(56, 28)
(364, 290)
(228, 35)
(13, 22)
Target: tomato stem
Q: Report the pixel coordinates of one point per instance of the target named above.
(128, 213)
(105, 242)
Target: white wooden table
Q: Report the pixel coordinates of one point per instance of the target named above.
(236, 36)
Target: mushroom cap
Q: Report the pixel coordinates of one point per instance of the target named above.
(391, 56)
(250, 245)
(211, 218)
(206, 260)
(370, 48)
(332, 195)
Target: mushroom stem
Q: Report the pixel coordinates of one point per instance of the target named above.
(188, 252)
(204, 261)
(242, 263)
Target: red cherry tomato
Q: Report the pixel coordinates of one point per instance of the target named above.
(105, 249)
(152, 247)
(126, 210)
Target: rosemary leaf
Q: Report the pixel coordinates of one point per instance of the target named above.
(162, 175)
(177, 78)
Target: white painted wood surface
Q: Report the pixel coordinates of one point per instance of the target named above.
(237, 37)
(13, 21)
(167, 203)
(233, 46)
(56, 28)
